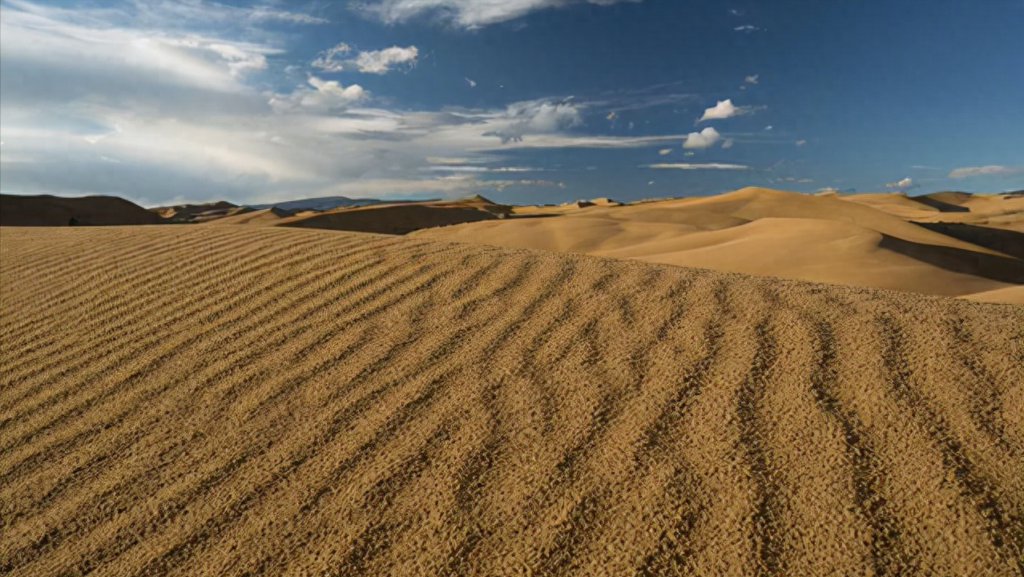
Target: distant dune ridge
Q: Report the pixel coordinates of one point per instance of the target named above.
(867, 240)
(229, 400)
(45, 210)
(946, 243)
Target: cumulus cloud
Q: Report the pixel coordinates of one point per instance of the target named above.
(704, 139)
(320, 96)
(533, 117)
(463, 13)
(726, 109)
(903, 184)
(698, 166)
(990, 170)
(167, 102)
(336, 59)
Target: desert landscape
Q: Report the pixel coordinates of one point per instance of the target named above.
(492, 391)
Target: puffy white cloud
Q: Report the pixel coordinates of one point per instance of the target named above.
(902, 184)
(463, 13)
(381, 61)
(335, 59)
(533, 117)
(704, 139)
(726, 109)
(320, 96)
(166, 106)
(698, 166)
(990, 170)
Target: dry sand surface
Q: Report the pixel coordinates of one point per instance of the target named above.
(214, 400)
(855, 240)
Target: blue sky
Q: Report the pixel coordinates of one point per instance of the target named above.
(519, 100)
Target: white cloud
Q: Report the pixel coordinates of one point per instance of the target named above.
(471, 83)
(726, 109)
(381, 61)
(463, 13)
(728, 143)
(990, 170)
(801, 142)
(752, 79)
(746, 28)
(665, 151)
(167, 102)
(698, 166)
(703, 139)
(369, 61)
(905, 183)
(533, 117)
(284, 16)
(769, 127)
(320, 96)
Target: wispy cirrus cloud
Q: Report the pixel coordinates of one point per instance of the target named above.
(697, 166)
(990, 170)
(463, 13)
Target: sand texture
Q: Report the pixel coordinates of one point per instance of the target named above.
(216, 400)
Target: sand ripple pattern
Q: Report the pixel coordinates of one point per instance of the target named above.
(236, 401)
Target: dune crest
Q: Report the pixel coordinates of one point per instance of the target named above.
(862, 240)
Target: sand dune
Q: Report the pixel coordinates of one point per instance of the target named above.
(770, 232)
(46, 210)
(1003, 211)
(218, 400)
(396, 218)
(199, 212)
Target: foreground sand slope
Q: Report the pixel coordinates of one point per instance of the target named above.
(761, 231)
(249, 400)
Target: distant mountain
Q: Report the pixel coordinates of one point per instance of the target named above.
(322, 203)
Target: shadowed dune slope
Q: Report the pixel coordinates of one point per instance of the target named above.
(260, 400)
(391, 219)
(46, 210)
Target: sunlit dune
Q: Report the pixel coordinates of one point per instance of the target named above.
(857, 239)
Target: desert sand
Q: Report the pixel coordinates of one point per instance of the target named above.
(866, 240)
(244, 400)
